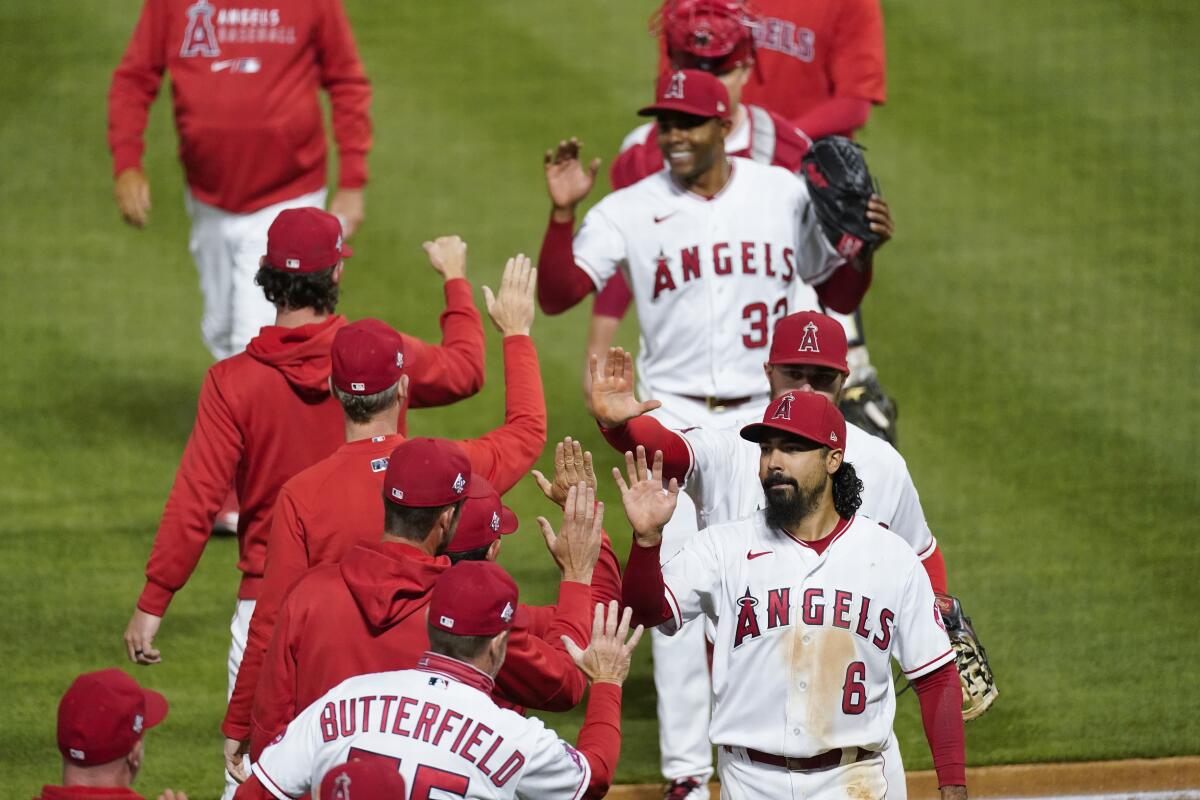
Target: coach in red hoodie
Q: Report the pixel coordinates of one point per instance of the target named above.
(244, 86)
(267, 413)
(322, 512)
(367, 614)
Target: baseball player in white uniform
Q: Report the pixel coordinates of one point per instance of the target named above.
(438, 725)
(810, 602)
(718, 470)
(716, 250)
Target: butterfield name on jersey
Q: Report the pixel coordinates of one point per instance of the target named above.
(436, 724)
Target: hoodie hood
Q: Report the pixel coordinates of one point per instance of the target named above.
(390, 581)
(301, 354)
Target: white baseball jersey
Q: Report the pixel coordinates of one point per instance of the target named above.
(445, 736)
(710, 276)
(804, 640)
(723, 482)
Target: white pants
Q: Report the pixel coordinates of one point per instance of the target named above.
(226, 248)
(742, 778)
(239, 630)
(681, 677)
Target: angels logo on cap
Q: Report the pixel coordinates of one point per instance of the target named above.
(675, 90)
(341, 788)
(808, 342)
(785, 407)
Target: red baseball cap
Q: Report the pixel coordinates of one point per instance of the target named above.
(809, 337)
(368, 357)
(424, 472)
(690, 91)
(363, 779)
(805, 414)
(305, 240)
(102, 716)
(475, 598)
(484, 518)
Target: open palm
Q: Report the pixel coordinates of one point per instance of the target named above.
(566, 179)
(648, 504)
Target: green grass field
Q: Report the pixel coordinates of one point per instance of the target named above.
(1036, 316)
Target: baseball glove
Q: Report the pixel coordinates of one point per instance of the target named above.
(974, 673)
(865, 404)
(840, 185)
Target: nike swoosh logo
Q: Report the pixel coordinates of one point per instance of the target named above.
(658, 219)
(751, 555)
(217, 66)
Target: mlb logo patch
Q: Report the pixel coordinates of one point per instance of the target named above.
(447, 621)
(78, 755)
(396, 493)
(292, 263)
(358, 387)
(379, 465)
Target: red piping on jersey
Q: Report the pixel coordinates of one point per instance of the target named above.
(674, 604)
(456, 670)
(822, 544)
(927, 663)
(269, 782)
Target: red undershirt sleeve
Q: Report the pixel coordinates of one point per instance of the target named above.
(935, 567)
(844, 290)
(600, 737)
(941, 712)
(560, 283)
(614, 299)
(642, 587)
(652, 435)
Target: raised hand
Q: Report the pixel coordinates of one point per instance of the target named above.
(572, 466)
(610, 398)
(566, 179)
(447, 255)
(607, 657)
(648, 505)
(511, 309)
(576, 546)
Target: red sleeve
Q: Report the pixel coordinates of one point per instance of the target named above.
(844, 290)
(538, 673)
(252, 789)
(287, 561)
(653, 435)
(642, 588)
(538, 620)
(856, 64)
(506, 454)
(134, 86)
(940, 696)
(560, 283)
(791, 144)
(600, 737)
(275, 693)
(442, 374)
(614, 299)
(606, 578)
(343, 77)
(837, 115)
(202, 482)
(935, 567)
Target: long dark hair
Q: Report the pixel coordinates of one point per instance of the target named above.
(847, 490)
(294, 291)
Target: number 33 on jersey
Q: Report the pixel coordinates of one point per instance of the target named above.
(710, 276)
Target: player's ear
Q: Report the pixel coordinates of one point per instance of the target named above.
(337, 272)
(833, 461)
(493, 551)
(402, 389)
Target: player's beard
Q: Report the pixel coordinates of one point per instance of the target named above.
(787, 508)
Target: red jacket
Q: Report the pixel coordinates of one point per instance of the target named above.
(338, 502)
(367, 614)
(244, 85)
(266, 414)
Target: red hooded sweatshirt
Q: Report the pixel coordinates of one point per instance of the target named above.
(266, 414)
(336, 503)
(367, 614)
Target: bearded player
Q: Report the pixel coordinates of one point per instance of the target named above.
(811, 601)
(717, 249)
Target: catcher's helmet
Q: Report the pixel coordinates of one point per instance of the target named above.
(712, 35)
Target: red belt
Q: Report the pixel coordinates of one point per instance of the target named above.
(826, 760)
(720, 403)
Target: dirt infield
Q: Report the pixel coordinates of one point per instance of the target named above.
(1133, 776)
